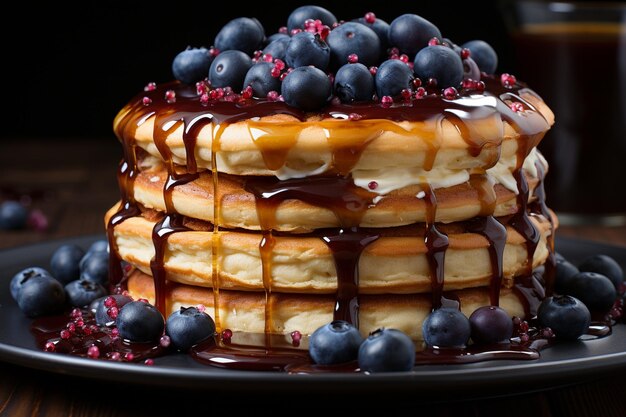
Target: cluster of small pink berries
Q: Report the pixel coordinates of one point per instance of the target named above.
(525, 332)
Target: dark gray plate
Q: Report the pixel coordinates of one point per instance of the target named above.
(559, 365)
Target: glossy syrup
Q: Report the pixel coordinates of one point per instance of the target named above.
(335, 191)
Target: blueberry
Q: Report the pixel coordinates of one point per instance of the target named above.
(192, 65)
(94, 266)
(382, 30)
(97, 246)
(41, 295)
(354, 82)
(276, 36)
(335, 342)
(452, 45)
(483, 54)
(298, 16)
(24, 275)
(470, 70)
(596, 291)
(564, 271)
(441, 63)
(93, 306)
(65, 263)
(13, 215)
(242, 34)
(567, 316)
(558, 257)
(306, 48)
(353, 38)
(604, 265)
(387, 350)
(491, 324)
(259, 77)
(188, 326)
(103, 318)
(139, 321)
(81, 293)
(410, 33)
(392, 77)
(229, 69)
(101, 245)
(278, 48)
(307, 88)
(446, 327)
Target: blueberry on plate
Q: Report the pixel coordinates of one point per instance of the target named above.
(188, 326)
(94, 266)
(242, 34)
(307, 88)
(306, 48)
(259, 77)
(192, 65)
(567, 316)
(353, 38)
(21, 277)
(354, 82)
(229, 69)
(97, 246)
(334, 343)
(604, 265)
(301, 14)
(65, 263)
(278, 47)
(139, 321)
(596, 291)
(491, 324)
(441, 63)
(41, 295)
(564, 271)
(392, 77)
(13, 215)
(81, 293)
(101, 245)
(410, 33)
(108, 307)
(387, 350)
(446, 327)
(483, 54)
(558, 257)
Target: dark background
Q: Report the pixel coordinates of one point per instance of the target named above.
(67, 69)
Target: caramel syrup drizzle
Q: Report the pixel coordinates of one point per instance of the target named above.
(216, 132)
(172, 222)
(346, 150)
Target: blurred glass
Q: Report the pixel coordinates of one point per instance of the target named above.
(573, 54)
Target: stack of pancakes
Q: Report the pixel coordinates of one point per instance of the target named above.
(279, 220)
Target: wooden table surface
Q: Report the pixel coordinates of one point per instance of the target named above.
(72, 181)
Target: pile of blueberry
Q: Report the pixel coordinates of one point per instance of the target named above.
(77, 281)
(75, 277)
(592, 289)
(316, 58)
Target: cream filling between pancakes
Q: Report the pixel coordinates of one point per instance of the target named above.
(396, 178)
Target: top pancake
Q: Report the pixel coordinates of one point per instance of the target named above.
(257, 137)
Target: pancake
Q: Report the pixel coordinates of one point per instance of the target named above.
(396, 262)
(399, 207)
(286, 143)
(247, 311)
